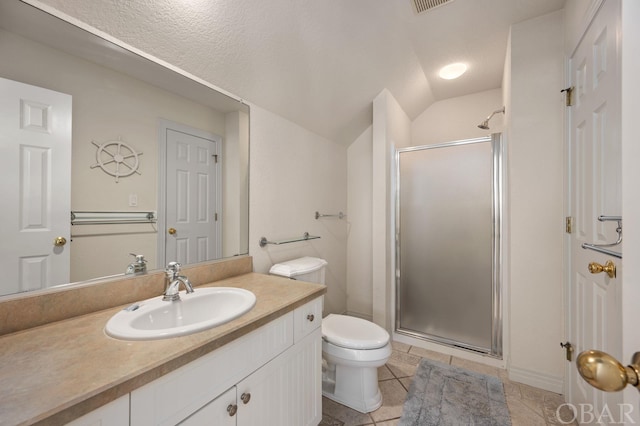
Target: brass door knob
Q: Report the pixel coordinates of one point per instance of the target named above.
(59, 241)
(245, 397)
(604, 372)
(171, 231)
(609, 267)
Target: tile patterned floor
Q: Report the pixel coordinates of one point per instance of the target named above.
(528, 406)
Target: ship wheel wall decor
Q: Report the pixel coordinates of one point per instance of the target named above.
(117, 158)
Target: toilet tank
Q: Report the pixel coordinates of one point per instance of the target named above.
(310, 269)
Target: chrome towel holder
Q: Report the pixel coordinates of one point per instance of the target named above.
(340, 215)
(602, 248)
(107, 218)
(263, 241)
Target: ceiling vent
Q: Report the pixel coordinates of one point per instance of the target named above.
(421, 6)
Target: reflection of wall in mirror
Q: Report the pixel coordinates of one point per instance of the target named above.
(235, 176)
(108, 105)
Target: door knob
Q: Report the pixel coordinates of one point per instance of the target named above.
(171, 231)
(59, 241)
(609, 267)
(604, 372)
(245, 397)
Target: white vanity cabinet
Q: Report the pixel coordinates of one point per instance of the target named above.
(267, 377)
(285, 392)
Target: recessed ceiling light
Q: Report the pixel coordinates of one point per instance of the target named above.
(452, 71)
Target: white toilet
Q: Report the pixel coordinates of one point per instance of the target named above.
(352, 348)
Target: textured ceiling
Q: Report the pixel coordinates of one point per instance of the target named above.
(321, 63)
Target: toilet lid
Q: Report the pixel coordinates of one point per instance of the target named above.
(353, 333)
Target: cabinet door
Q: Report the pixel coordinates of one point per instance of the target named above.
(220, 412)
(115, 413)
(288, 390)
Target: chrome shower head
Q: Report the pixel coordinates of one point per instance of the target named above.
(485, 124)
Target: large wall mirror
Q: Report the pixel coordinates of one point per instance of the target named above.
(106, 152)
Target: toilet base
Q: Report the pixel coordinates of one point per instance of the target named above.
(355, 387)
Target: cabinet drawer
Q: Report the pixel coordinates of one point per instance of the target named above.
(307, 318)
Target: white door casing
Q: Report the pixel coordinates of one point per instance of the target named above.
(190, 195)
(35, 159)
(595, 187)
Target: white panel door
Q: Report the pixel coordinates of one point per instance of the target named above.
(35, 159)
(595, 187)
(190, 198)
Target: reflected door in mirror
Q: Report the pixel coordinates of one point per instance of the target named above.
(192, 198)
(35, 146)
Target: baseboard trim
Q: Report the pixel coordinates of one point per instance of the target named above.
(536, 379)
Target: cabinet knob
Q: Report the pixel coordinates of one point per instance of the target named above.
(245, 397)
(232, 409)
(310, 317)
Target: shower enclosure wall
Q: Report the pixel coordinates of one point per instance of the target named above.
(448, 222)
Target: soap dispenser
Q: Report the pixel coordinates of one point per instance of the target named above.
(137, 267)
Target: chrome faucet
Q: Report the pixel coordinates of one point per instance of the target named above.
(137, 267)
(171, 292)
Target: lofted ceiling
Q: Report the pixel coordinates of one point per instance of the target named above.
(321, 63)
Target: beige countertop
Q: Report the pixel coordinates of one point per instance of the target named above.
(57, 372)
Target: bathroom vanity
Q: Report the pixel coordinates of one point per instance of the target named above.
(261, 368)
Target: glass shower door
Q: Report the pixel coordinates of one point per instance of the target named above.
(448, 221)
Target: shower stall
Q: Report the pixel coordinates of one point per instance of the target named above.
(448, 229)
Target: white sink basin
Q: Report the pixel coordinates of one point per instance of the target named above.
(204, 308)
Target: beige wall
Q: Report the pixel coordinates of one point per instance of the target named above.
(295, 173)
(458, 118)
(391, 130)
(359, 199)
(535, 201)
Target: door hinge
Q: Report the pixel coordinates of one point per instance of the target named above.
(568, 347)
(568, 99)
(568, 224)
(215, 158)
(215, 217)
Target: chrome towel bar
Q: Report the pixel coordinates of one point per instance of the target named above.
(601, 248)
(107, 218)
(263, 241)
(340, 215)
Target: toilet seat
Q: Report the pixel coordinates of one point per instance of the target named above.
(353, 333)
(356, 357)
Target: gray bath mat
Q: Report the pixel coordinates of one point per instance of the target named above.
(444, 395)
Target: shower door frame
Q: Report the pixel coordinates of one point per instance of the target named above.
(496, 349)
